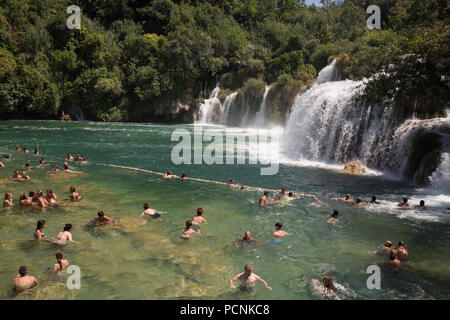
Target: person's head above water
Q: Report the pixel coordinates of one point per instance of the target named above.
(169, 173)
(67, 227)
(374, 198)
(23, 270)
(199, 211)
(59, 256)
(327, 282)
(247, 235)
(278, 226)
(248, 269)
(290, 194)
(266, 193)
(183, 175)
(393, 254)
(422, 203)
(348, 196)
(401, 244)
(388, 244)
(71, 189)
(283, 188)
(359, 200)
(335, 213)
(188, 224)
(100, 214)
(277, 198)
(231, 180)
(40, 224)
(146, 206)
(405, 200)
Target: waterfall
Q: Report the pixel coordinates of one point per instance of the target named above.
(210, 108)
(260, 118)
(326, 124)
(225, 110)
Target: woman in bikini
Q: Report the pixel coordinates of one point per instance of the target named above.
(38, 234)
(62, 263)
(50, 197)
(8, 202)
(186, 232)
(66, 234)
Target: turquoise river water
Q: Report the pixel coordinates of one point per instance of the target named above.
(146, 259)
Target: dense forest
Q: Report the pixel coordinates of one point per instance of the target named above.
(152, 60)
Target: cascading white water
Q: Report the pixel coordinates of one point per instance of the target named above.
(327, 125)
(260, 117)
(209, 108)
(225, 110)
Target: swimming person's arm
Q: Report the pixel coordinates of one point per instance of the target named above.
(236, 242)
(232, 286)
(262, 280)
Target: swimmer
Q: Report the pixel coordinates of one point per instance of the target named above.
(290, 197)
(231, 184)
(16, 175)
(386, 249)
(333, 218)
(74, 196)
(78, 157)
(278, 232)
(42, 162)
(198, 219)
(248, 279)
(51, 197)
(25, 176)
(66, 234)
(41, 202)
(8, 202)
(169, 175)
(25, 150)
(263, 199)
(404, 203)
(247, 238)
(69, 157)
(56, 169)
(27, 165)
(393, 263)
(402, 253)
(327, 285)
(101, 218)
(23, 281)
(359, 202)
(62, 263)
(17, 148)
(67, 168)
(421, 205)
(38, 234)
(151, 212)
(36, 150)
(283, 191)
(374, 200)
(23, 199)
(84, 160)
(32, 200)
(243, 187)
(347, 198)
(274, 200)
(183, 177)
(186, 232)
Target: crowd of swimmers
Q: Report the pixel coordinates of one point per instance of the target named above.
(247, 278)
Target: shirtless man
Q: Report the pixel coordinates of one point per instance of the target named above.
(16, 175)
(263, 199)
(248, 279)
(374, 200)
(247, 238)
(188, 231)
(25, 176)
(347, 198)
(404, 203)
(386, 249)
(231, 184)
(333, 218)
(198, 219)
(402, 253)
(359, 202)
(169, 175)
(421, 205)
(283, 191)
(101, 219)
(278, 232)
(151, 212)
(23, 281)
(393, 263)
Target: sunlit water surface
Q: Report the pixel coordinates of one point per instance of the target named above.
(146, 259)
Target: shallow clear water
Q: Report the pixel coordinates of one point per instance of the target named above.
(143, 259)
